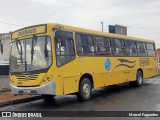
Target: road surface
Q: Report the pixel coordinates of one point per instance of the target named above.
(120, 98)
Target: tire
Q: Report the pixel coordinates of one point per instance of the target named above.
(48, 97)
(85, 90)
(139, 80)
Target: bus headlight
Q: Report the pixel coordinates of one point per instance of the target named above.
(44, 82)
(49, 79)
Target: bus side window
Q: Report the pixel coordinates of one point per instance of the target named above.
(102, 46)
(141, 49)
(64, 47)
(107, 45)
(151, 49)
(85, 44)
(117, 47)
(130, 49)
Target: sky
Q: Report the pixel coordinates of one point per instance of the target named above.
(142, 17)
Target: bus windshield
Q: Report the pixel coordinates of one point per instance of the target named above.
(30, 54)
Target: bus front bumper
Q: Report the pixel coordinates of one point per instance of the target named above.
(48, 89)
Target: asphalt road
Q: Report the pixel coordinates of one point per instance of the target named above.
(120, 98)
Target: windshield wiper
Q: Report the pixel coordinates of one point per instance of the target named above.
(19, 50)
(45, 48)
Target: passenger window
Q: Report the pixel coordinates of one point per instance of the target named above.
(64, 47)
(130, 48)
(102, 46)
(150, 49)
(141, 49)
(117, 47)
(85, 44)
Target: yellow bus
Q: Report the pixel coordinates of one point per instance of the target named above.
(54, 59)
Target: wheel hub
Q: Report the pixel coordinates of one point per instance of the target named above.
(86, 90)
(139, 79)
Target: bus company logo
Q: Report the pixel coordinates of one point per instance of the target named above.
(144, 61)
(126, 63)
(27, 77)
(107, 64)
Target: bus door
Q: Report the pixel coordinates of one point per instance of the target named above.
(65, 60)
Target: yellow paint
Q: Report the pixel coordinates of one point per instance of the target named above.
(67, 77)
(29, 31)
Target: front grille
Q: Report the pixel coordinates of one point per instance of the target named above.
(27, 77)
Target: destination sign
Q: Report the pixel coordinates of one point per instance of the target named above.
(29, 31)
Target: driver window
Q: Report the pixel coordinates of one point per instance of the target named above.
(64, 47)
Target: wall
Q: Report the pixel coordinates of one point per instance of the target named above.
(5, 39)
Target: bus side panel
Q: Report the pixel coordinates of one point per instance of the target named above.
(153, 66)
(98, 79)
(114, 78)
(57, 79)
(68, 73)
(95, 67)
(120, 71)
(124, 69)
(146, 72)
(70, 85)
(149, 66)
(59, 86)
(132, 75)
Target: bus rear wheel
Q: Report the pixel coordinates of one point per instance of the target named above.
(85, 90)
(139, 80)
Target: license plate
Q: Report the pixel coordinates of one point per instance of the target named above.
(26, 91)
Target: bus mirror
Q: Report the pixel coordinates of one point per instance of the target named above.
(1, 45)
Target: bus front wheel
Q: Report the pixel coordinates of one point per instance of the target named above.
(139, 80)
(85, 90)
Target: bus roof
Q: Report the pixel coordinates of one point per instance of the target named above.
(87, 31)
(43, 28)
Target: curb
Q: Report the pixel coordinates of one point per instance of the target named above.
(20, 100)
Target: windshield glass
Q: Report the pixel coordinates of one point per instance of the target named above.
(30, 54)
